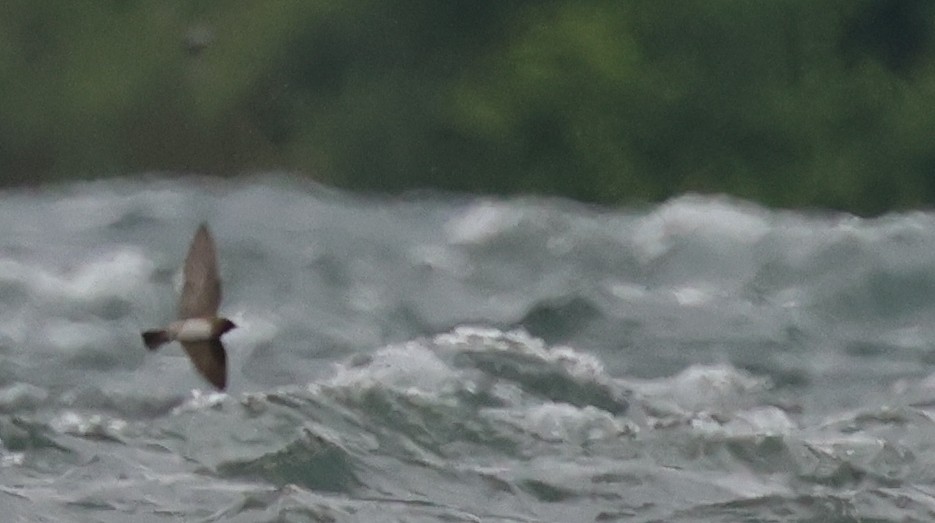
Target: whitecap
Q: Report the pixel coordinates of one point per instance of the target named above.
(411, 368)
(200, 400)
(702, 388)
(88, 425)
(692, 215)
(118, 272)
(755, 422)
(694, 295)
(561, 422)
(481, 222)
(578, 364)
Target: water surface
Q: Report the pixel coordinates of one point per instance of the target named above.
(449, 358)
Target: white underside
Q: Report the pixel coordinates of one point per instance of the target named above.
(190, 330)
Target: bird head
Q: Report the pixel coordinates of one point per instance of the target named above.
(226, 325)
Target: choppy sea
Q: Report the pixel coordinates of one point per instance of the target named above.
(438, 357)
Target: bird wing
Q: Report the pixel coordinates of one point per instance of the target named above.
(210, 359)
(201, 293)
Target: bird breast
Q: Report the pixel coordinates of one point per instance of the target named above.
(195, 329)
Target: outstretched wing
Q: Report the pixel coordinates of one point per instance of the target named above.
(201, 294)
(210, 359)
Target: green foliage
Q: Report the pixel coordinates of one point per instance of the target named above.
(790, 102)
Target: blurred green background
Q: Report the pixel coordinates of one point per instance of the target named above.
(793, 103)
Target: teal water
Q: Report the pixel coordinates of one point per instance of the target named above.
(449, 358)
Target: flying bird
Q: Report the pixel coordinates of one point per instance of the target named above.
(199, 328)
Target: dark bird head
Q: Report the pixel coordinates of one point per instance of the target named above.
(225, 325)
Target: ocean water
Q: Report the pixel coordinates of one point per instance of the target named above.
(437, 357)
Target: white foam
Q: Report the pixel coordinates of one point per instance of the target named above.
(703, 387)
(87, 210)
(410, 367)
(694, 295)
(755, 422)
(714, 218)
(481, 222)
(95, 425)
(12, 459)
(200, 400)
(626, 291)
(762, 421)
(562, 422)
(118, 272)
(577, 364)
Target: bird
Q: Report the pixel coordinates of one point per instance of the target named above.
(199, 328)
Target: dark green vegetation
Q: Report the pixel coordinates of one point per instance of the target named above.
(789, 102)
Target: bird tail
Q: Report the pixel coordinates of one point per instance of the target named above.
(154, 338)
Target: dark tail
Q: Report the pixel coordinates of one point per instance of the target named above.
(153, 339)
